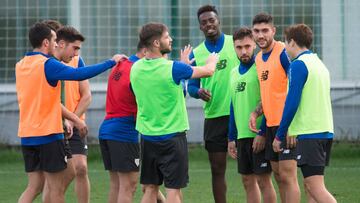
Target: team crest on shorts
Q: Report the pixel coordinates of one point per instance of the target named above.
(298, 157)
(137, 162)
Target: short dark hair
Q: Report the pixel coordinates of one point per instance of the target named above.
(37, 33)
(241, 33)
(206, 8)
(151, 31)
(262, 18)
(69, 34)
(300, 33)
(53, 24)
(139, 46)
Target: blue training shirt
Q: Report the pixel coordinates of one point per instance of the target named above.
(298, 74)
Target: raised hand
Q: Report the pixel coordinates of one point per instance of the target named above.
(213, 58)
(185, 53)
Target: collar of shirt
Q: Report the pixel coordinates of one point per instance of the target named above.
(244, 67)
(302, 53)
(215, 46)
(32, 53)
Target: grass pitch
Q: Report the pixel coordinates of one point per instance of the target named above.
(342, 176)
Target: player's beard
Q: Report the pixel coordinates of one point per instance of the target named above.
(67, 60)
(245, 61)
(165, 49)
(267, 44)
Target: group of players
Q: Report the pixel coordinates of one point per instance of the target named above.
(269, 113)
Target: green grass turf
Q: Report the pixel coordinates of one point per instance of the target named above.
(342, 176)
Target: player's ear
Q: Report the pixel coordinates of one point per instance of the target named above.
(45, 42)
(61, 43)
(156, 43)
(274, 29)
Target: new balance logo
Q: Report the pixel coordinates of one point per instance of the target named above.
(263, 165)
(240, 86)
(286, 151)
(264, 75)
(221, 64)
(116, 76)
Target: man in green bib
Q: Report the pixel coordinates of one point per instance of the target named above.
(255, 170)
(162, 118)
(308, 113)
(214, 91)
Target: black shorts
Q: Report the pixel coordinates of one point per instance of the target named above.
(120, 156)
(165, 161)
(78, 144)
(286, 154)
(48, 157)
(250, 162)
(67, 148)
(216, 134)
(308, 171)
(313, 152)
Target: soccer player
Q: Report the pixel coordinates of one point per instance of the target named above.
(118, 137)
(214, 91)
(272, 65)
(162, 118)
(245, 96)
(40, 119)
(307, 112)
(77, 100)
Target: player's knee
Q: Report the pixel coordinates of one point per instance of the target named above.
(151, 189)
(264, 182)
(277, 176)
(114, 184)
(81, 170)
(218, 169)
(37, 190)
(248, 182)
(173, 192)
(128, 188)
(308, 187)
(132, 185)
(289, 178)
